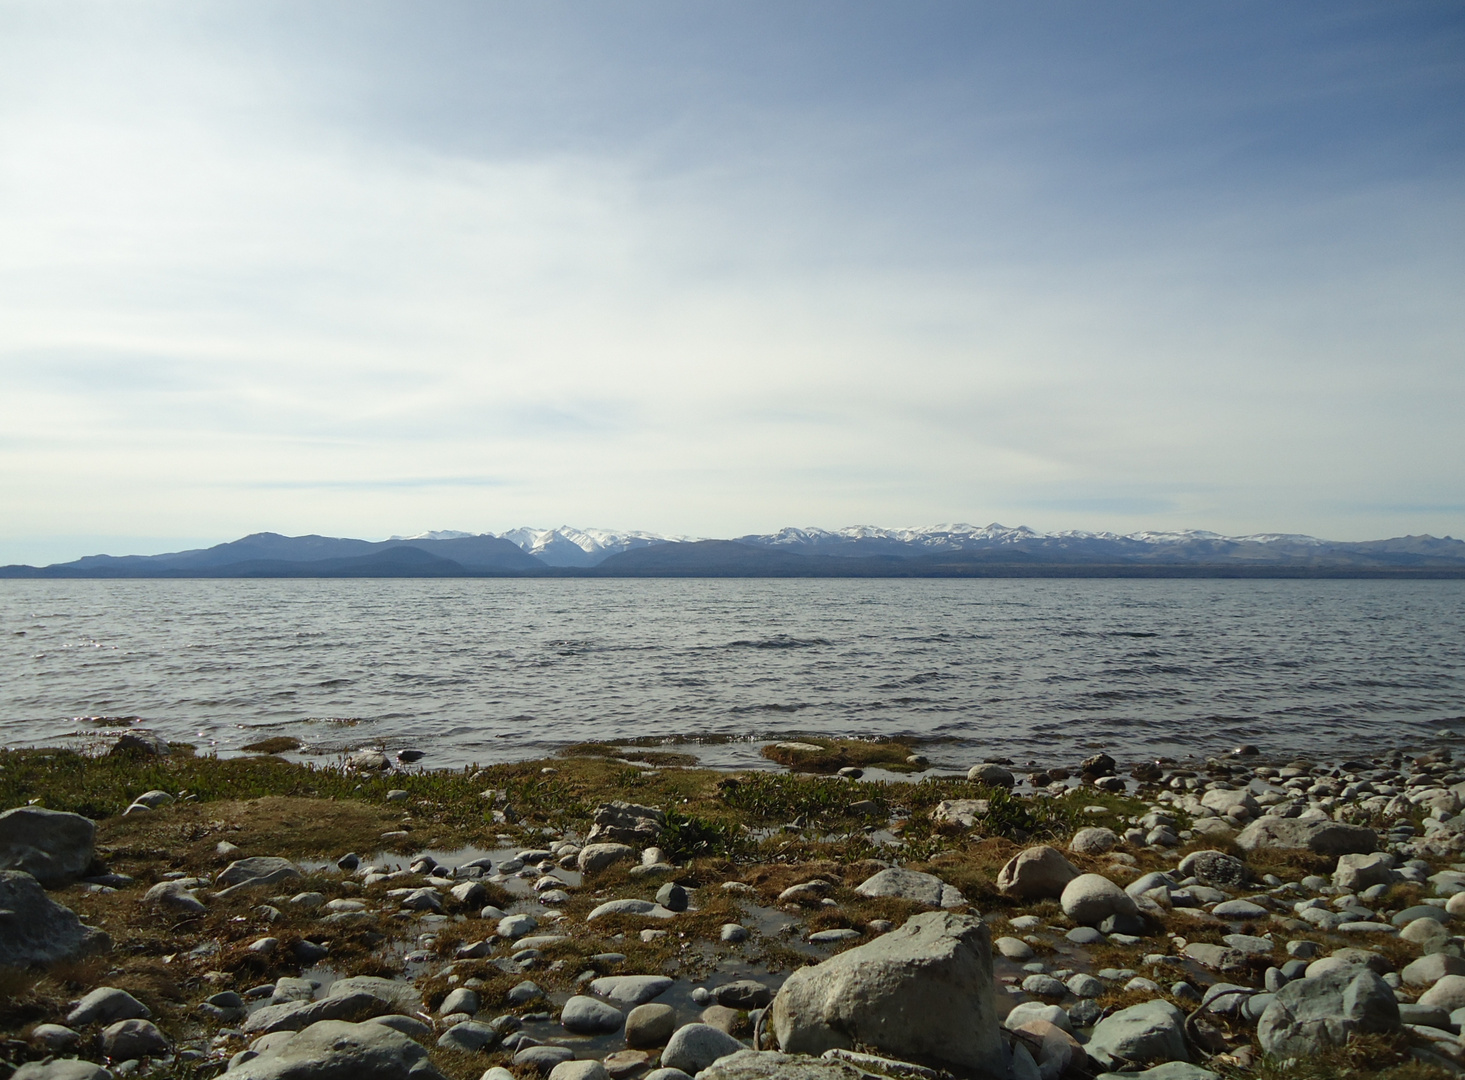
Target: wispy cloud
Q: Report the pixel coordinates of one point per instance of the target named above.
(711, 272)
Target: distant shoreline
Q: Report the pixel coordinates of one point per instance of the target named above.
(884, 571)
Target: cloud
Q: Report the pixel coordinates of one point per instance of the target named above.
(712, 275)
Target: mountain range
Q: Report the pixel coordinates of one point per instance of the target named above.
(860, 551)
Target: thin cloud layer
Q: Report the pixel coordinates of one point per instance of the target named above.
(370, 269)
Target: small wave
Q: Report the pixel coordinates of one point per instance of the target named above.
(778, 641)
(777, 707)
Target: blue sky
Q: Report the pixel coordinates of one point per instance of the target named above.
(709, 269)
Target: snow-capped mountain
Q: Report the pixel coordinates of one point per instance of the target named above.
(861, 550)
(567, 546)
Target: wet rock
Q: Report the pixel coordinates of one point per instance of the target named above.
(53, 847)
(469, 1037)
(1039, 873)
(693, 1047)
(1089, 899)
(642, 908)
(630, 989)
(732, 933)
(922, 992)
(141, 743)
(543, 1058)
(1311, 1015)
(650, 1025)
(1095, 840)
(626, 823)
(1097, 765)
(1151, 1031)
(334, 1049)
(960, 813)
(133, 1039)
(588, 1016)
(722, 1018)
(744, 994)
(37, 931)
(1322, 837)
(912, 885)
(991, 775)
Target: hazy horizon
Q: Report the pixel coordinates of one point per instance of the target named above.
(374, 269)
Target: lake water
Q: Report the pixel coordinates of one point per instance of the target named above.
(487, 670)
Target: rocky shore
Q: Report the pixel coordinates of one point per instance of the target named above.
(592, 917)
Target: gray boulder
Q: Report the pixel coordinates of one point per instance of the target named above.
(1174, 1070)
(588, 1016)
(631, 989)
(1319, 837)
(469, 1037)
(1358, 872)
(133, 1039)
(1039, 873)
(335, 1050)
(1214, 868)
(626, 823)
(595, 857)
(106, 1004)
(53, 847)
(922, 993)
(1430, 969)
(1089, 899)
(962, 813)
(37, 931)
(403, 995)
(297, 1015)
(991, 775)
(579, 1070)
(1152, 1031)
(912, 885)
(650, 1025)
(256, 871)
(1094, 840)
(141, 743)
(1310, 1015)
(770, 1065)
(630, 906)
(693, 1047)
(61, 1069)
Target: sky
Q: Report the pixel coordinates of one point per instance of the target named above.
(714, 268)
